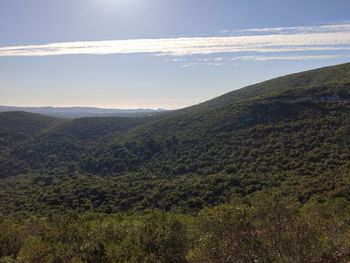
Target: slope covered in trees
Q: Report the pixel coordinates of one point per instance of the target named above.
(275, 125)
(287, 132)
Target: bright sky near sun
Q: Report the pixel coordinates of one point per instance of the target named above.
(160, 53)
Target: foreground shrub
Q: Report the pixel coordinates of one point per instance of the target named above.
(267, 228)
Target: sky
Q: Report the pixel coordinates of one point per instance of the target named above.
(160, 53)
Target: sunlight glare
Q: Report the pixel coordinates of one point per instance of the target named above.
(118, 3)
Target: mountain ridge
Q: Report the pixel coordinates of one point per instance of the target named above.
(83, 112)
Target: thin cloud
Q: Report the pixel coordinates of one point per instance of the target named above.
(297, 39)
(291, 58)
(345, 27)
(219, 61)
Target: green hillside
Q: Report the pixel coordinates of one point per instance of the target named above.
(289, 124)
(290, 132)
(17, 128)
(42, 143)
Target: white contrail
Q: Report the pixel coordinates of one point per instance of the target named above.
(323, 38)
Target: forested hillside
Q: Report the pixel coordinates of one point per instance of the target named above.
(285, 133)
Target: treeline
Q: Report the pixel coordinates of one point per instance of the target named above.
(267, 228)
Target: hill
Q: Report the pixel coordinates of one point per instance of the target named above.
(17, 128)
(276, 126)
(291, 133)
(37, 141)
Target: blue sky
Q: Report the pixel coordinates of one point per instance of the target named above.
(160, 53)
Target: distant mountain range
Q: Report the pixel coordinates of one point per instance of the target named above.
(81, 112)
(291, 133)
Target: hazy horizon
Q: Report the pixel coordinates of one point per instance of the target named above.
(159, 54)
(79, 107)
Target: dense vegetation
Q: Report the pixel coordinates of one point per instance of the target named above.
(268, 228)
